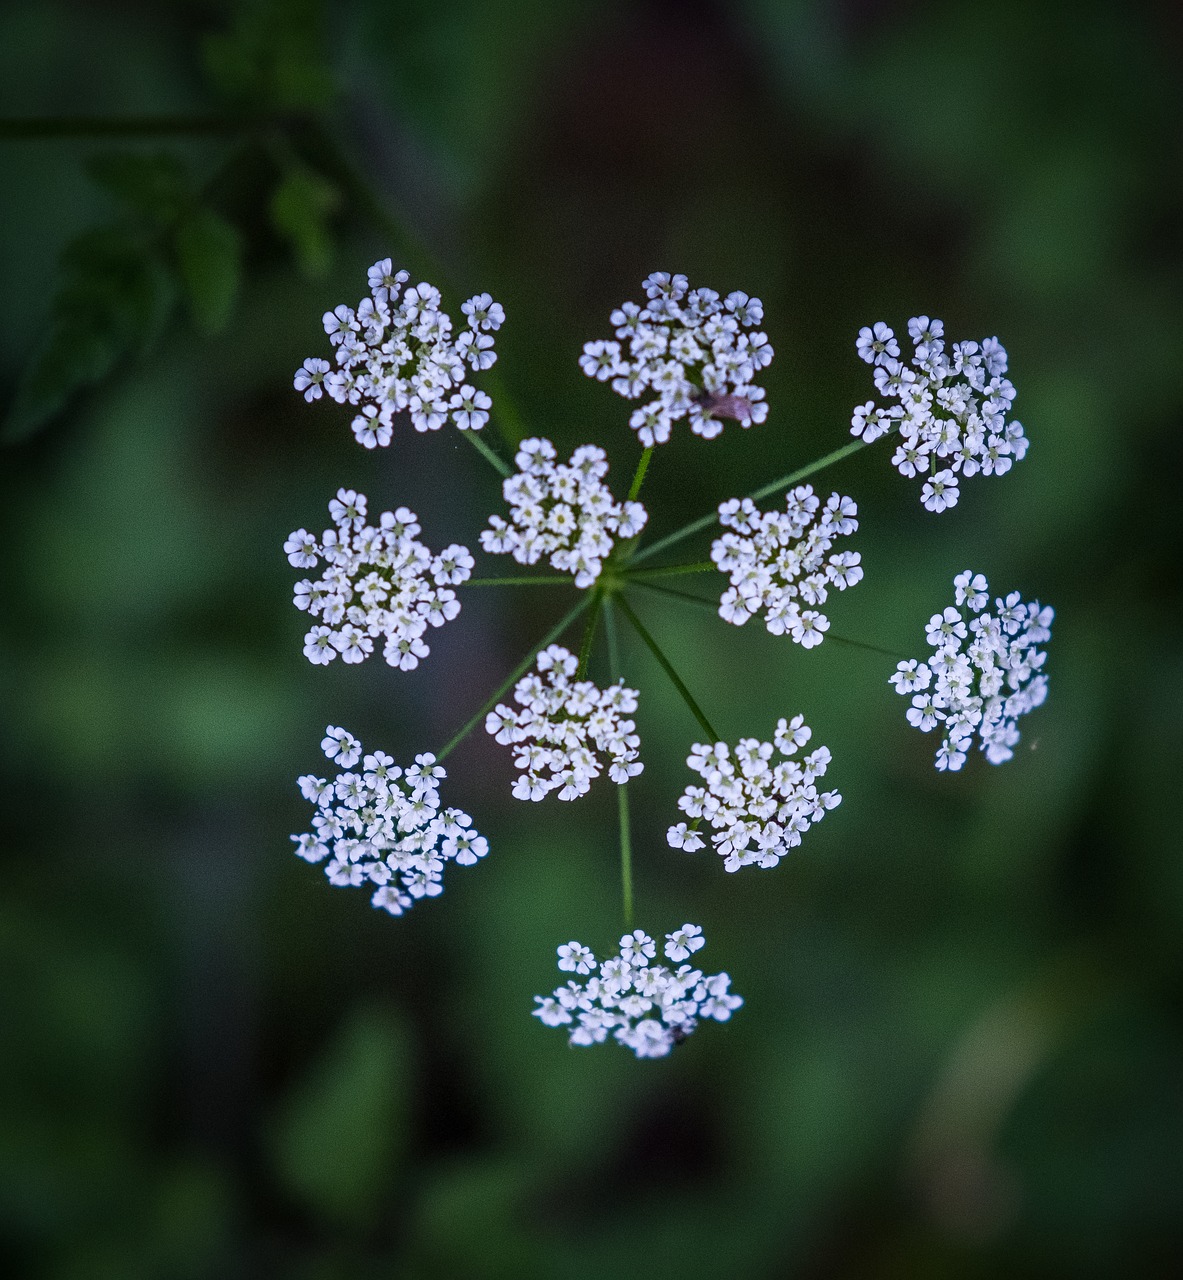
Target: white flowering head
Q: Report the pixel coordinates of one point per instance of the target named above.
(949, 406)
(689, 354)
(564, 730)
(758, 799)
(647, 1007)
(379, 825)
(562, 510)
(984, 673)
(379, 582)
(397, 352)
(780, 562)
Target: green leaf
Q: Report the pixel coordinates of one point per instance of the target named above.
(300, 209)
(209, 255)
(115, 299)
(338, 1132)
(155, 186)
(272, 59)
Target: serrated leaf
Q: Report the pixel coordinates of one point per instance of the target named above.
(209, 256)
(338, 1133)
(300, 210)
(115, 298)
(155, 186)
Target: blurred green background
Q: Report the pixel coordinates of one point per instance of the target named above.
(960, 1054)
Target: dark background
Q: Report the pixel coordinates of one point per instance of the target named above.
(960, 1052)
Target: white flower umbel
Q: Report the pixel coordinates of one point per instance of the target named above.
(562, 510)
(398, 352)
(644, 1006)
(985, 672)
(779, 562)
(378, 582)
(562, 725)
(383, 826)
(950, 408)
(759, 807)
(695, 355)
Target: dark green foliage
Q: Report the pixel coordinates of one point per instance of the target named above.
(209, 258)
(300, 209)
(961, 1051)
(272, 58)
(340, 1128)
(115, 299)
(156, 186)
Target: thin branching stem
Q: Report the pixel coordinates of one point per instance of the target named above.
(649, 585)
(862, 644)
(589, 634)
(615, 671)
(668, 668)
(639, 474)
(713, 606)
(704, 522)
(494, 459)
(626, 842)
(670, 571)
(525, 580)
(626, 854)
(516, 674)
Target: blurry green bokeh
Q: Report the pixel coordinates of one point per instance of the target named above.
(960, 1054)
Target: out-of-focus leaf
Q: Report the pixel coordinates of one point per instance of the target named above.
(115, 300)
(300, 210)
(156, 186)
(209, 254)
(340, 1128)
(469, 1223)
(272, 58)
(461, 71)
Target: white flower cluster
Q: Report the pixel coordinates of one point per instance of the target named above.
(397, 352)
(562, 725)
(375, 831)
(690, 350)
(778, 561)
(379, 581)
(987, 685)
(563, 510)
(759, 808)
(951, 410)
(646, 1007)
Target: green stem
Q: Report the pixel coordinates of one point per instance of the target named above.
(509, 420)
(615, 671)
(515, 675)
(862, 644)
(493, 459)
(712, 605)
(639, 474)
(32, 128)
(811, 469)
(626, 854)
(589, 635)
(626, 842)
(670, 571)
(703, 522)
(526, 580)
(667, 667)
